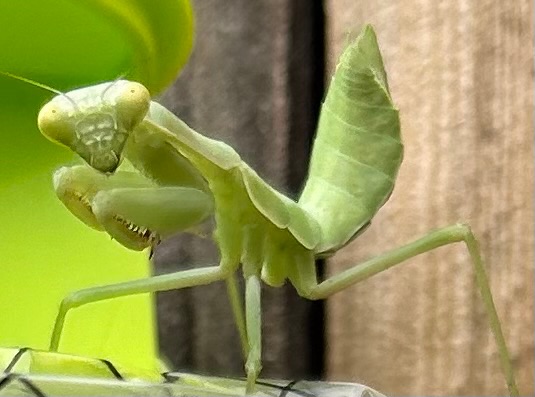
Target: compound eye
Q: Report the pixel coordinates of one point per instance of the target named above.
(54, 124)
(133, 104)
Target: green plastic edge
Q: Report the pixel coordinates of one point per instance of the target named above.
(45, 227)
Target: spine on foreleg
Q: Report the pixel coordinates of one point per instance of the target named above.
(357, 151)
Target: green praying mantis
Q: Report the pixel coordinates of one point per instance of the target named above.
(148, 175)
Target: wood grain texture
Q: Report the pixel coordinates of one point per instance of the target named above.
(239, 87)
(461, 73)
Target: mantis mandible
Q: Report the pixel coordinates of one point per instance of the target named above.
(148, 175)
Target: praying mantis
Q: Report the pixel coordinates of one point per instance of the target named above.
(148, 175)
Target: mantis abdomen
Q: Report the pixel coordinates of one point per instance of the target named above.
(357, 151)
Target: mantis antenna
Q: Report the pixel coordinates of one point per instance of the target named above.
(40, 85)
(117, 79)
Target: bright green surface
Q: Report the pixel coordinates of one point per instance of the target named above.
(45, 251)
(58, 375)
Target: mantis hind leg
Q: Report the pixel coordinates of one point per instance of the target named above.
(238, 312)
(304, 279)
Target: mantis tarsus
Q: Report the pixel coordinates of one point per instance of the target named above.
(173, 178)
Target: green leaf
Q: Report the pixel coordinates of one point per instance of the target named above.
(46, 252)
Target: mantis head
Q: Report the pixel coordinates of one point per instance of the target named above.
(96, 121)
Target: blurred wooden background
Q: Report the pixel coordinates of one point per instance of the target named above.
(461, 73)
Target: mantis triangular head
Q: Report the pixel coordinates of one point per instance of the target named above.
(95, 122)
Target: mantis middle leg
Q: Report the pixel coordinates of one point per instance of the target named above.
(307, 286)
(182, 279)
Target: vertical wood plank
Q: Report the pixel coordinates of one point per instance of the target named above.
(241, 86)
(461, 73)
